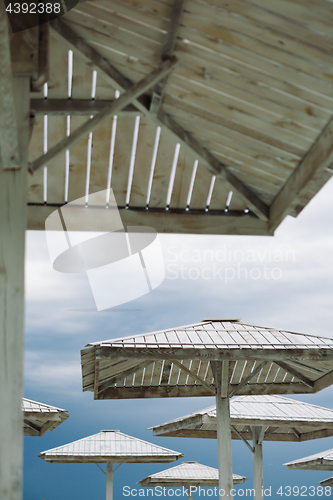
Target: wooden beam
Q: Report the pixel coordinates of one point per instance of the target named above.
(136, 90)
(215, 166)
(121, 376)
(233, 428)
(32, 427)
(76, 107)
(13, 193)
(258, 476)
(167, 51)
(9, 143)
(194, 376)
(248, 378)
(323, 382)
(296, 374)
(326, 354)
(316, 160)
(193, 222)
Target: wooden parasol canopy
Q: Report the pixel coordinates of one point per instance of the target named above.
(190, 475)
(109, 447)
(212, 357)
(39, 418)
(318, 461)
(258, 418)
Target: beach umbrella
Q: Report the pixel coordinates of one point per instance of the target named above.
(212, 357)
(189, 475)
(109, 447)
(326, 482)
(39, 418)
(319, 461)
(258, 418)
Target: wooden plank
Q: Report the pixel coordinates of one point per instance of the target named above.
(122, 158)
(167, 51)
(9, 143)
(81, 89)
(143, 159)
(85, 107)
(13, 188)
(165, 154)
(248, 378)
(316, 160)
(56, 126)
(182, 179)
(36, 148)
(194, 376)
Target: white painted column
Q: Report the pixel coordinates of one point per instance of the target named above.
(13, 196)
(258, 477)
(223, 429)
(109, 481)
(189, 493)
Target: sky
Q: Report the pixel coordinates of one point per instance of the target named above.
(283, 281)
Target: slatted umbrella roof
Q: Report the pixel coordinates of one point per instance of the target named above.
(250, 104)
(284, 419)
(318, 461)
(109, 445)
(39, 418)
(326, 482)
(178, 361)
(188, 473)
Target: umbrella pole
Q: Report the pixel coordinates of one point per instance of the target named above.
(189, 493)
(258, 478)
(221, 375)
(109, 480)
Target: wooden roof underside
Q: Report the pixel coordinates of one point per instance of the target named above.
(250, 104)
(38, 418)
(182, 362)
(281, 419)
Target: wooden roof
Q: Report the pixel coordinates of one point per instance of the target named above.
(250, 104)
(326, 482)
(178, 362)
(318, 461)
(39, 418)
(284, 419)
(109, 446)
(188, 473)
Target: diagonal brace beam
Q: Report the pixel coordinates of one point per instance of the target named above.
(296, 374)
(186, 139)
(242, 438)
(193, 375)
(136, 90)
(248, 378)
(121, 376)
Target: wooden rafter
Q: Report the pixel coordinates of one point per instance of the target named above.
(136, 90)
(167, 51)
(75, 107)
(248, 378)
(195, 376)
(215, 166)
(233, 428)
(112, 380)
(9, 145)
(316, 160)
(295, 373)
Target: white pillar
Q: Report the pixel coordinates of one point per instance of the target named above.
(109, 481)
(258, 478)
(223, 430)
(189, 493)
(13, 196)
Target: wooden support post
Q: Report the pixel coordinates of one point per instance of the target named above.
(189, 493)
(109, 481)
(13, 192)
(223, 429)
(258, 478)
(9, 146)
